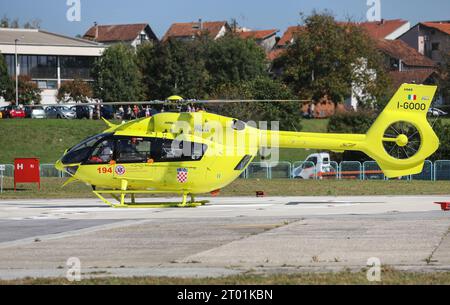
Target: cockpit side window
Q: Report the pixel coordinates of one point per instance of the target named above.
(176, 151)
(102, 153)
(137, 150)
(134, 150)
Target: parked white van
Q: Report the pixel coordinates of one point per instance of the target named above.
(313, 166)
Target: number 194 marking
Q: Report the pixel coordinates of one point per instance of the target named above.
(104, 170)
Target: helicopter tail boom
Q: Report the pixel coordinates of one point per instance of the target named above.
(400, 139)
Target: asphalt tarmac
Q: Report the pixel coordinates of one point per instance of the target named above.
(230, 235)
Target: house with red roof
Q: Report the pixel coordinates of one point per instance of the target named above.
(431, 39)
(383, 29)
(401, 57)
(264, 38)
(191, 30)
(132, 34)
(407, 65)
(289, 36)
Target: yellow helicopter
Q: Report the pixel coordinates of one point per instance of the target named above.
(191, 153)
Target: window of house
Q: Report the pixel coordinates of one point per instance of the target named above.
(143, 38)
(38, 66)
(10, 60)
(47, 84)
(73, 67)
(435, 46)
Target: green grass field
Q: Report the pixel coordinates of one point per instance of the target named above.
(44, 139)
(388, 277)
(48, 139)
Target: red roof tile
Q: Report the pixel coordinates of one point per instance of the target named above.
(262, 34)
(400, 50)
(274, 54)
(441, 26)
(189, 29)
(289, 35)
(376, 29)
(117, 32)
(411, 77)
(382, 29)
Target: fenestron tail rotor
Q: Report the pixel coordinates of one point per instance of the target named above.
(402, 140)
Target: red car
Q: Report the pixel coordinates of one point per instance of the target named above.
(12, 112)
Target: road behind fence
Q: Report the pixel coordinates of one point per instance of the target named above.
(439, 170)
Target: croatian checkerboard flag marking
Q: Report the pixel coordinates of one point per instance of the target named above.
(182, 175)
(412, 97)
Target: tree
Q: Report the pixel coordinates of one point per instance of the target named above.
(444, 77)
(5, 22)
(29, 93)
(116, 75)
(77, 90)
(33, 24)
(288, 114)
(173, 67)
(443, 133)
(6, 84)
(231, 59)
(329, 58)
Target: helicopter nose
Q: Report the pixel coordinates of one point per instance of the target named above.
(59, 166)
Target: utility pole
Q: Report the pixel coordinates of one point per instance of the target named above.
(17, 76)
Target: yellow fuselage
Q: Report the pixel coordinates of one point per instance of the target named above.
(200, 152)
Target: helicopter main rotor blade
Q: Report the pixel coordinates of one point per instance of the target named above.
(184, 102)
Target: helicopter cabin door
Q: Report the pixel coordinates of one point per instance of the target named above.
(133, 160)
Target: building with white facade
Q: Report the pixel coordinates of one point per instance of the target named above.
(48, 58)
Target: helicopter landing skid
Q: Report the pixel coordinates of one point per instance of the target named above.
(120, 197)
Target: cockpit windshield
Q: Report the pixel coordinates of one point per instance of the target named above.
(81, 152)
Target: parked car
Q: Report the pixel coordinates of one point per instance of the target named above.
(314, 164)
(83, 111)
(38, 113)
(12, 112)
(60, 112)
(436, 112)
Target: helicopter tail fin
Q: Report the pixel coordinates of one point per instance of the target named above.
(401, 138)
(110, 125)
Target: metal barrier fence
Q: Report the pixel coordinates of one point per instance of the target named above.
(258, 170)
(371, 171)
(350, 170)
(439, 170)
(427, 172)
(281, 169)
(442, 170)
(9, 170)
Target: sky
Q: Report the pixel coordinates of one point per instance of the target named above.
(254, 14)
